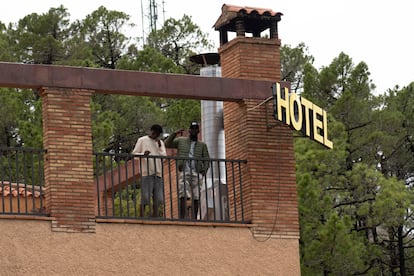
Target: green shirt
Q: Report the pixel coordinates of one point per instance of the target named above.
(182, 144)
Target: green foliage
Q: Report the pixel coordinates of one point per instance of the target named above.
(293, 62)
(335, 249)
(102, 32)
(21, 118)
(149, 59)
(178, 40)
(6, 53)
(392, 203)
(120, 120)
(394, 133)
(127, 203)
(40, 38)
(180, 113)
(356, 190)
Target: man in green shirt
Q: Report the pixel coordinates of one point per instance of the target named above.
(192, 163)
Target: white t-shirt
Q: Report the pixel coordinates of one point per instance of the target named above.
(147, 143)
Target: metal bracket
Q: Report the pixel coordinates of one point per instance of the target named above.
(269, 125)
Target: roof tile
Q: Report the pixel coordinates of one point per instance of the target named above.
(248, 10)
(230, 12)
(15, 189)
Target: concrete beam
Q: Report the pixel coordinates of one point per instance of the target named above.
(107, 81)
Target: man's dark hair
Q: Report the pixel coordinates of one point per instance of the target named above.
(156, 128)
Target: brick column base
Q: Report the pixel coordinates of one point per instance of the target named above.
(67, 137)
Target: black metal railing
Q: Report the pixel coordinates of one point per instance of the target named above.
(219, 198)
(21, 181)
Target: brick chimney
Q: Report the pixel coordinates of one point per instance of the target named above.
(251, 131)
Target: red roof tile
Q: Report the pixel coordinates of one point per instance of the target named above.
(248, 10)
(229, 12)
(15, 189)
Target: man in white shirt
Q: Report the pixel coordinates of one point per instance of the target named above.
(152, 185)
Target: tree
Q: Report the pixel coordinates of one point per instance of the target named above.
(148, 59)
(6, 53)
(293, 62)
(343, 89)
(34, 39)
(102, 32)
(394, 152)
(40, 39)
(21, 123)
(363, 181)
(179, 40)
(330, 245)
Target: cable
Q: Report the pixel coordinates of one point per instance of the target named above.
(263, 102)
(277, 203)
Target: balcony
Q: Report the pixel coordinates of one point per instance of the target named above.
(118, 187)
(118, 179)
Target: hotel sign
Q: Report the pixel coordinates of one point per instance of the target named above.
(300, 114)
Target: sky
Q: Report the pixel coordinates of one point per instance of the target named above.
(375, 32)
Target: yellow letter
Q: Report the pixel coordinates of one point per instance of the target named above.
(296, 123)
(283, 103)
(317, 124)
(308, 106)
(327, 143)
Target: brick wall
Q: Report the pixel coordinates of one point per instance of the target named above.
(67, 137)
(251, 58)
(270, 198)
(253, 134)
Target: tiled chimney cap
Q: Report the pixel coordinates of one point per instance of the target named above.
(256, 19)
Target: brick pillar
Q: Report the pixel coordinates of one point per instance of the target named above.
(253, 134)
(67, 137)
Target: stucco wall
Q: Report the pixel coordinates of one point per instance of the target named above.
(31, 248)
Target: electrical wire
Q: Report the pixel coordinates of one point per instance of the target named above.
(262, 103)
(277, 203)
